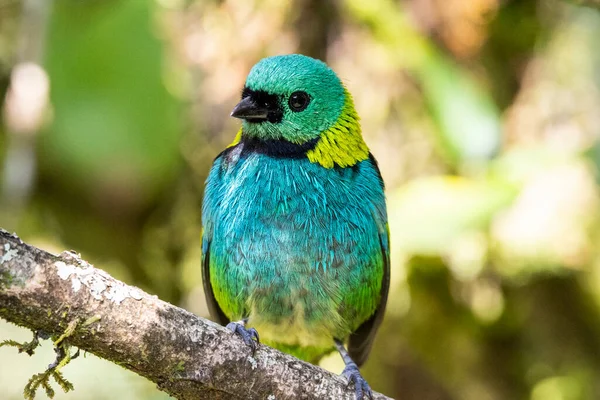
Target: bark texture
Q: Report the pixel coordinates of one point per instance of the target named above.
(185, 355)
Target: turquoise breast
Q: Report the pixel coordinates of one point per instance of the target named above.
(295, 247)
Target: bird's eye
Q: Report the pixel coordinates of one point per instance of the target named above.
(299, 101)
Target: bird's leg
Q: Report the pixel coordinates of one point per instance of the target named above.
(250, 336)
(362, 390)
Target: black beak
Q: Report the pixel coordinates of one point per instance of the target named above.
(247, 109)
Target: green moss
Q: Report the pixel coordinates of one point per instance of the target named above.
(43, 379)
(91, 320)
(176, 370)
(64, 356)
(180, 367)
(26, 347)
(67, 332)
(6, 280)
(144, 353)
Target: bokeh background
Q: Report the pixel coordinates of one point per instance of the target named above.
(484, 116)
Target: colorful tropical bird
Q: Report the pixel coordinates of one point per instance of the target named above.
(295, 239)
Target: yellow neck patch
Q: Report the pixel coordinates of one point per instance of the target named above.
(342, 144)
(237, 139)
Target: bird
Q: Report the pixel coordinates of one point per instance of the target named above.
(295, 239)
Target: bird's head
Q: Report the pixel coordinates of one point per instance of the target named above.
(300, 100)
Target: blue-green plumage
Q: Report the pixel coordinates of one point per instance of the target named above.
(294, 242)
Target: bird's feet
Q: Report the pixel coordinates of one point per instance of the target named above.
(362, 390)
(250, 336)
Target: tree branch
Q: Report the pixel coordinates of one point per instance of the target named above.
(186, 356)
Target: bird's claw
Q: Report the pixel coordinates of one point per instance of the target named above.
(250, 336)
(362, 390)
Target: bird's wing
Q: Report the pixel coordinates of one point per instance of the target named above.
(361, 340)
(213, 307)
(210, 208)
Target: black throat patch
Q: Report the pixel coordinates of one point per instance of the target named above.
(276, 148)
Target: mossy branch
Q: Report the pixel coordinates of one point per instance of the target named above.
(186, 356)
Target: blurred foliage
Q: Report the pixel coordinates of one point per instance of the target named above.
(484, 116)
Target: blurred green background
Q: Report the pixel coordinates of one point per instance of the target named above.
(484, 116)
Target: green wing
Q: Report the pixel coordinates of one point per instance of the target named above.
(213, 307)
(361, 340)
(209, 208)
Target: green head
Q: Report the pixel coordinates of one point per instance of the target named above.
(291, 97)
(299, 99)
